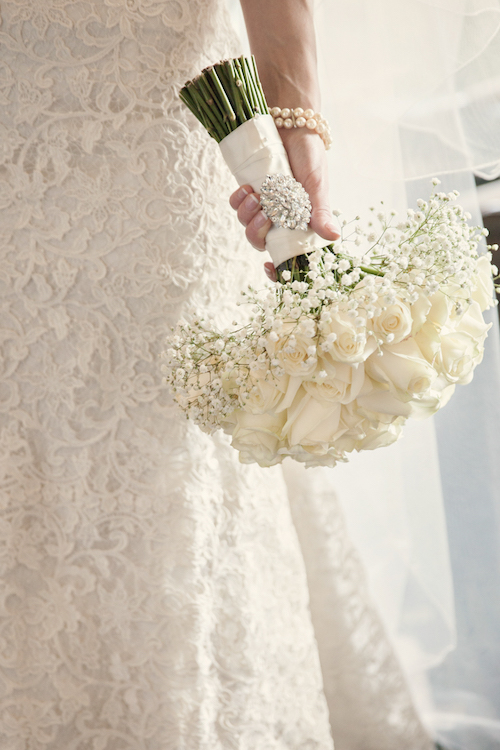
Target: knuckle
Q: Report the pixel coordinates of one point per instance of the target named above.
(322, 213)
(248, 209)
(239, 196)
(315, 182)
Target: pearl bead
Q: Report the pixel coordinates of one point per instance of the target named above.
(299, 118)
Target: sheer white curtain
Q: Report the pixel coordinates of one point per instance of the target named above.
(412, 89)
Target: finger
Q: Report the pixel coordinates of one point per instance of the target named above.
(249, 209)
(270, 271)
(322, 221)
(307, 159)
(323, 224)
(237, 198)
(257, 230)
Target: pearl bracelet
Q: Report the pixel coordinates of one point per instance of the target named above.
(300, 118)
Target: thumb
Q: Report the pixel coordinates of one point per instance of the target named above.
(322, 220)
(323, 223)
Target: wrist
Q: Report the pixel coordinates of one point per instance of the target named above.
(290, 88)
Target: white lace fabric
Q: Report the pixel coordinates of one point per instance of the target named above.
(153, 591)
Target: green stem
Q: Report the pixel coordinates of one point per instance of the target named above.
(225, 95)
(235, 93)
(225, 104)
(187, 99)
(243, 90)
(372, 271)
(264, 107)
(201, 99)
(213, 106)
(249, 79)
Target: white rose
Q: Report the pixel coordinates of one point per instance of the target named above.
(314, 455)
(419, 313)
(431, 402)
(353, 429)
(381, 404)
(442, 308)
(291, 349)
(367, 431)
(380, 435)
(428, 341)
(274, 394)
(403, 369)
(343, 383)
(265, 395)
(350, 345)
(257, 437)
(472, 322)
(461, 346)
(442, 317)
(394, 321)
(275, 340)
(459, 355)
(484, 291)
(310, 420)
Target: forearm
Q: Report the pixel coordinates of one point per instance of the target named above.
(282, 38)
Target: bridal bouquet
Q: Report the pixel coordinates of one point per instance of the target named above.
(347, 345)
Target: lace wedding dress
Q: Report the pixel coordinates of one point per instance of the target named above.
(154, 593)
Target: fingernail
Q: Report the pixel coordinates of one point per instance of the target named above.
(270, 271)
(332, 228)
(242, 192)
(251, 202)
(260, 220)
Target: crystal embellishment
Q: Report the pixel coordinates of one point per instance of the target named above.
(285, 202)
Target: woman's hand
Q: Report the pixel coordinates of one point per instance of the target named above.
(250, 214)
(307, 157)
(282, 38)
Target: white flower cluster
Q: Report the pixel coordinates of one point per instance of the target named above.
(338, 360)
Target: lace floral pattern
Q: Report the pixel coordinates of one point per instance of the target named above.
(154, 594)
(134, 611)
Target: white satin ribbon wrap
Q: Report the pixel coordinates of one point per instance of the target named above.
(253, 151)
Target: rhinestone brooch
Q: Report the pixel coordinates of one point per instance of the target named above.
(285, 202)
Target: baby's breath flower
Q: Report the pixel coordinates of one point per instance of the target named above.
(214, 375)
